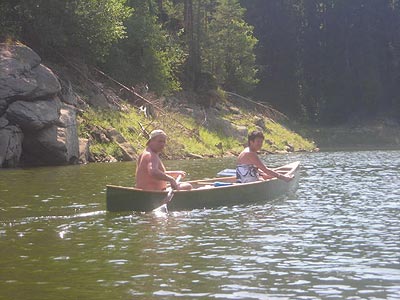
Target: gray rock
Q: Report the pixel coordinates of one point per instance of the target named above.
(99, 135)
(47, 83)
(234, 110)
(22, 76)
(242, 131)
(260, 123)
(3, 106)
(98, 101)
(50, 146)
(215, 123)
(129, 153)
(10, 146)
(18, 58)
(54, 145)
(84, 153)
(16, 87)
(68, 134)
(28, 100)
(67, 94)
(16, 63)
(33, 116)
(3, 122)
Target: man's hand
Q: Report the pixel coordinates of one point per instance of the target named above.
(173, 183)
(182, 173)
(176, 174)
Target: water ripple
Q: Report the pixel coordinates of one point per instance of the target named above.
(337, 237)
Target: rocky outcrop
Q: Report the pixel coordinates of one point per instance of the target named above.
(213, 121)
(10, 146)
(36, 127)
(84, 153)
(36, 115)
(128, 152)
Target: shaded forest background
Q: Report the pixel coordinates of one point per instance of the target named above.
(325, 62)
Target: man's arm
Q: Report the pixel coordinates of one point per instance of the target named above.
(271, 173)
(155, 171)
(175, 174)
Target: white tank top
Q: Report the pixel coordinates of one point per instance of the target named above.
(247, 173)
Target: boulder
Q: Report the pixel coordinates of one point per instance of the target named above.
(34, 116)
(194, 156)
(47, 83)
(16, 62)
(67, 94)
(99, 135)
(3, 106)
(54, 145)
(33, 120)
(68, 133)
(213, 122)
(15, 85)
(84, 152)
(22, 76)
(10, 146)
(234, 110)
(99, 100)
(17, 59)
(128, 152)
(3, 122)
(260, 122)
(242, 131)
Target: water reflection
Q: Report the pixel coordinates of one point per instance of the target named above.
(336, 237)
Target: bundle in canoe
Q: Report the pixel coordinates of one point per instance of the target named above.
(206, 193)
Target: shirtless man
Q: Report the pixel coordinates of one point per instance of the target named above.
(150, 171)
(250, 167)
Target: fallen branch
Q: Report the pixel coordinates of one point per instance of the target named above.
(163, 112)
(272, 113)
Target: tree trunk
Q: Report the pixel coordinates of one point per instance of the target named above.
(192, 37)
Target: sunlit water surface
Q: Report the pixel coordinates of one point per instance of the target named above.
(337, 237)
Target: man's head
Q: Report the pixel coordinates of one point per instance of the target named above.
(157, 140)
(255, 140)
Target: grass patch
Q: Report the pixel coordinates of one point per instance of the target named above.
(185, 136)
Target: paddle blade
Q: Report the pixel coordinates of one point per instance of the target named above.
(227, 173)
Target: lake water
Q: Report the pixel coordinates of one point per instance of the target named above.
(337, 237)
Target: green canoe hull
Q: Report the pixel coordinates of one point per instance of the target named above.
(204, 195)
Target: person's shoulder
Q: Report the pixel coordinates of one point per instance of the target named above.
(146, 154)
(244, 151)
(248, 153)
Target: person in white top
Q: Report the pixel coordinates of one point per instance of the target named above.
(249, 166)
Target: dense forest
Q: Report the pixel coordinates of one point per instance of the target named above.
(329, 60)
(319, 61)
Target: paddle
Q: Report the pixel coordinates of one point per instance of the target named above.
(232, 172)
(227, 172)
(169, 196)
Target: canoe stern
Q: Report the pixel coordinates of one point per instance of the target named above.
(125, 199)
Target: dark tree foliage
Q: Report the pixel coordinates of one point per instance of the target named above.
(167, 44)
(149, 54)
(86, 28)
(328, 61)
(320, 61)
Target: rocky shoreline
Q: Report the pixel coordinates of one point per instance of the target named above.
(41, 114)
(39, 119)
(37, 124)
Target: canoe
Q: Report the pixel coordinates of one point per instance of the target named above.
(206, 193)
